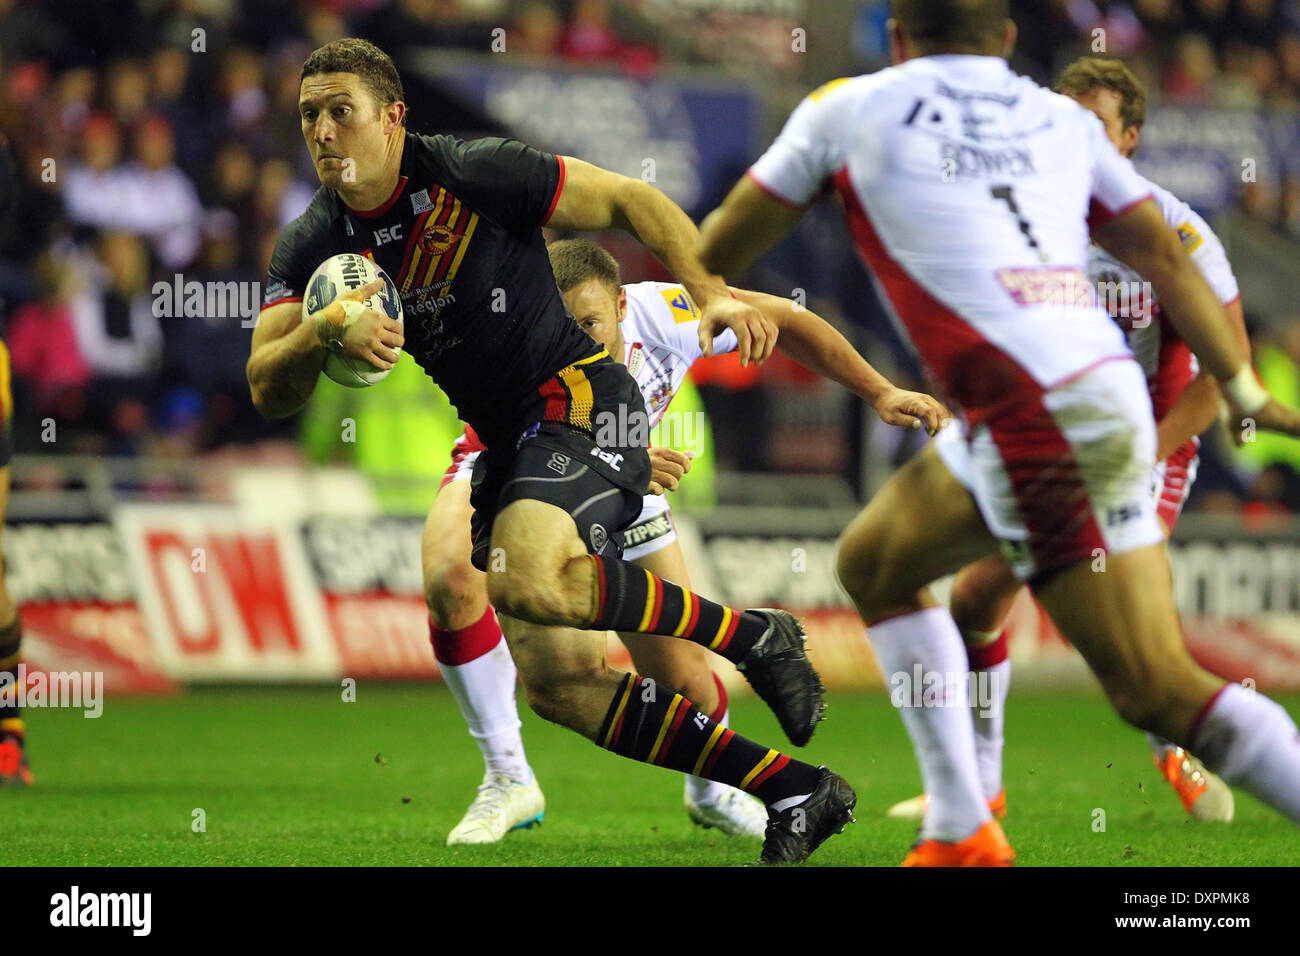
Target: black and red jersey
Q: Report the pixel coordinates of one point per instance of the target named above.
(461, 238)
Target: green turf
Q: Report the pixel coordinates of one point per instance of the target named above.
(298, 777)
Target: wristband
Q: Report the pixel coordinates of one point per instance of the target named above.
(1245, 391)
(331, 333)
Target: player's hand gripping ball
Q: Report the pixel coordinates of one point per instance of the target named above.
(363, 304)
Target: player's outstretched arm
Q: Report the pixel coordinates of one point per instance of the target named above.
(1142, 239)
(593, 198)
(817, 345)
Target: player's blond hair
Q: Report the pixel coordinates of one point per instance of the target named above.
(575, 261)
(1090, 73)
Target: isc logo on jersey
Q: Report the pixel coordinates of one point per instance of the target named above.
(682, 307)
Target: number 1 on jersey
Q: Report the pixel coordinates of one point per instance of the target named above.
(1007, 195)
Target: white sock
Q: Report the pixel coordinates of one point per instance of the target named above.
(989, 717)
(1252, 742)
(485, 690)
(705, 792)
(936, 713)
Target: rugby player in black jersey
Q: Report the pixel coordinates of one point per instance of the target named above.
(457, 227)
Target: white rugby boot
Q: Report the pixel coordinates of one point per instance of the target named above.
(501, 805)
(734, 812)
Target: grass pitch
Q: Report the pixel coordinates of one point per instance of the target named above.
(296, 777)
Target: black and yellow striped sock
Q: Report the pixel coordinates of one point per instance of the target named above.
(629, 598)
(11, 642)
(653, 725)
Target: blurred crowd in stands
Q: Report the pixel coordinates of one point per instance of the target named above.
(160, 137)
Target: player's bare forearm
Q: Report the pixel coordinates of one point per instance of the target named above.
(746, 225)
(661, 226)
(1196, 409)
(1237, 320)
(1142, 239)
(594, 198)
(286, 360)
(818, 346)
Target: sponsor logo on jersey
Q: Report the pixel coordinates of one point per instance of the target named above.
(420, 201)
(559, 463)
(681, 306)
(1190, 237)
(650, 530)
(430, 301)
(611, 458)
(599, 537)
(388, 234)
(442, 236)
(1060, 285)
(635, 358)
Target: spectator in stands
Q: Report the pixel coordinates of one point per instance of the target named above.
(164, 205)
(1192, 71)
(117, 332)
(45, 355)
(535, 30)
(93, 184)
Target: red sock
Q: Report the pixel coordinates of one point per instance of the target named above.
(988, 655)
(468, 643)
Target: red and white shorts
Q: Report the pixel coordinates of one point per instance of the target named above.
(464, 452)
(652, 530)
(1064, 475)
(1172, 479)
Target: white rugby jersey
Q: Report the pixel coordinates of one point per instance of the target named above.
(969, 193)
(661, 340)
(1166, 359)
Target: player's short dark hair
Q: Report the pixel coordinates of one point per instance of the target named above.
(975, 25)
(575, 261)
(1090, 73)
(354, 55)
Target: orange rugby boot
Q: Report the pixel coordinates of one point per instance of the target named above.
(987, 846)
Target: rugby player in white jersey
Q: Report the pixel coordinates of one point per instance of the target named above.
(1185, 404)
(971, 194)
(653, 327)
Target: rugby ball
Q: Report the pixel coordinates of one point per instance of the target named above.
(333, 277)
